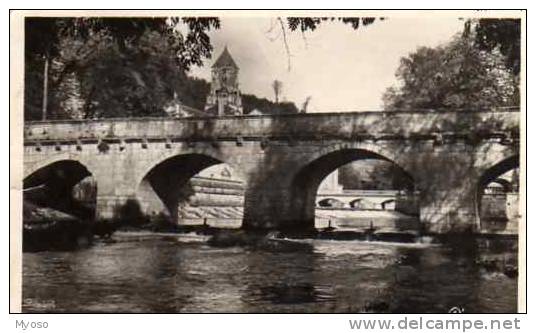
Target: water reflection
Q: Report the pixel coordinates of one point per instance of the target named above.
(171, 274)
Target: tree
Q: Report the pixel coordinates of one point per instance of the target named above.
(277, 86)
(42, 36)
(502, 33)
(73, 65)
(305, 104)
(100, 39)
(132, 80)
(252, 102)
(374, 175)
(457, 75)
(193, 92)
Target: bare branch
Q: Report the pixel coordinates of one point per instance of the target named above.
(272, 26)
(285, 42)
(304, 39)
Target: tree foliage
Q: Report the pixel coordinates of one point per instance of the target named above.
(252, 102)
(193, 92)
(277, 86)
(311, 23)
(458, 75)
(504, 34)
(125, 81)
(374, 175)
(117, 66)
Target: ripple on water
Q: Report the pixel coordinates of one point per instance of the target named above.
(157, 273)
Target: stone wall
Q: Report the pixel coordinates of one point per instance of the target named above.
(500, 212)
(360, 125)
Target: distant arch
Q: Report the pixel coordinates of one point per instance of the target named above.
(330, 202)
(490, 175)
(356, 203)
(505, 184)
(385, 204)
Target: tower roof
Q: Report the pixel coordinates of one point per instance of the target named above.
(225, 60)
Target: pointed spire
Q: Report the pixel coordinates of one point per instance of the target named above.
(225, 60)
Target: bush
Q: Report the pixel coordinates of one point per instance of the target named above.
(130, 214)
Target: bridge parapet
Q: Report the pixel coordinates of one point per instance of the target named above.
(443, 125)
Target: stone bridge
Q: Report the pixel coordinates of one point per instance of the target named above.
(369, 199)
(282, 159)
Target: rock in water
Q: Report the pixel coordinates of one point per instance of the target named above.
(49, 229)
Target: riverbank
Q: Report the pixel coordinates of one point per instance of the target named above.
(47, 229)
(69, 233)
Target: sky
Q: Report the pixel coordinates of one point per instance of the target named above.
(340, 68)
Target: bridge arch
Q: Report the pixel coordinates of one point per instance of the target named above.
(368, 149)
(494, 172)
(356, 203)
(307, 179)
(62, 184)
(330, 202)
(505, 184)
(492, 175)
(166, 182)
(146, 166)
(30, 168)
(387, 203)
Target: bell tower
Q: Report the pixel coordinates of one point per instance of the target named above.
(224, 97)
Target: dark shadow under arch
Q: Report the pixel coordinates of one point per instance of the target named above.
(498, 169)
(52, 186)
(168, 179)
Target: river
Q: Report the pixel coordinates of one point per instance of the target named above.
(143, 272)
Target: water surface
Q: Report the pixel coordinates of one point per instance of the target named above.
(181, 273)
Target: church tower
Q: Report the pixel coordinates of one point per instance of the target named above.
(224, 98)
